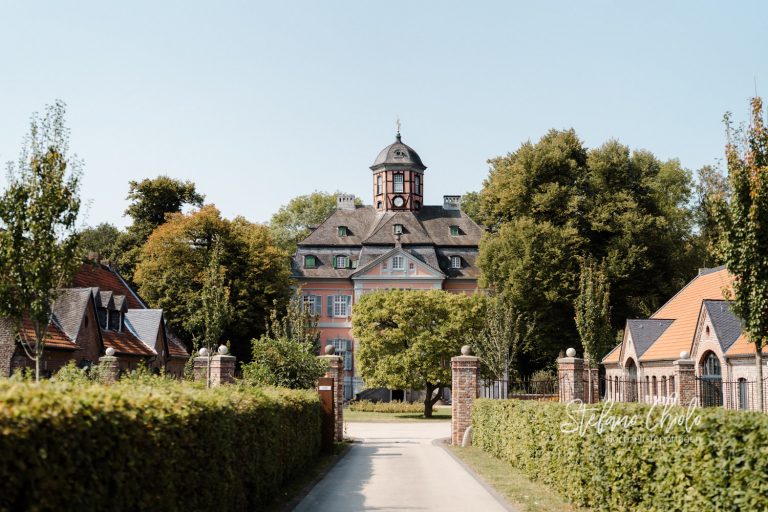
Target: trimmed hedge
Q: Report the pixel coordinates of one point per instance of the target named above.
(722, 464)
(151, 446)
(394, 406)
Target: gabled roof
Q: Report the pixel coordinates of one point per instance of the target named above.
(145, 324)
(357, 221)
(92, 275)
(126, 342)
(408, 256)
(69, 309)
(645, 332)
(413, 231)
(727, 325)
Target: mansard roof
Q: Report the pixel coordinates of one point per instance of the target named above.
(398, 154)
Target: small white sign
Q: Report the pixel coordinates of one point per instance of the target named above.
(324, 388)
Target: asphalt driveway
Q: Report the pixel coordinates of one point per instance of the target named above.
(396, 466)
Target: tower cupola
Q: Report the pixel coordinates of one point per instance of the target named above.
(398, 178)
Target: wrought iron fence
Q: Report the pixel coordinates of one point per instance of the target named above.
(740, 394)
(520, 389)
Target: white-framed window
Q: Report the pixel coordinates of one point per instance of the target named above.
(398, 183)
(417, 184)
(342, 261)
(340, 345)
(341, 305)
(398, 263)
(378, 184)
(397, 229)
(312, 304)
(455, 231)
(455, 261)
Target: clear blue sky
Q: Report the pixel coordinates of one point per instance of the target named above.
(260, 102)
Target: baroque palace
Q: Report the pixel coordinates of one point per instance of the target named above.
(397, 242)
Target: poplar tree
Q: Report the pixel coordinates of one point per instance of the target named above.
(38, 234)
(747, 232)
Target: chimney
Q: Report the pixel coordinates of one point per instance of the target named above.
(345, 202)
(451, 202)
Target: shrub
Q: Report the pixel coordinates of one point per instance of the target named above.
(393, 407)
(720, 465)
(284, 362)
(151, 444)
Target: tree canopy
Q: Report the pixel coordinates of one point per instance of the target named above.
(407, 338)
(172, 268)
(39, 239)
(292, 222)
(554, 201)
(101, 239)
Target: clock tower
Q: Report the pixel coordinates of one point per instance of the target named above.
(398, 178)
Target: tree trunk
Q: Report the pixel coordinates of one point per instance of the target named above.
(759, 362)
(37, 367)
(589, 382)
(429, 400)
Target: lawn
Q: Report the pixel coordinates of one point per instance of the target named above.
(511, 484)
(438, 414)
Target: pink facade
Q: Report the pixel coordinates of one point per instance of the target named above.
(398, 243)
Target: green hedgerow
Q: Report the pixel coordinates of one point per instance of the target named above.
(151, 444)
(719, 463)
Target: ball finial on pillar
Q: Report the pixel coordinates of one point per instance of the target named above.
(466, 350)
(571, 352)
(684, 354)
(109, 352)
(329, 350)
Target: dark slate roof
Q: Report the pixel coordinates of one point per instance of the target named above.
(105, 299)
(437, 221)
(120, 303)
(646, 332)
(727, 325)
(705, 271)
(396, 154)
(357, 221)
(145, 324)
(69, 308)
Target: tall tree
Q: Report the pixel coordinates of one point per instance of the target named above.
(102, 239)
(151, 201)
(407, 338)
(39, 239)
(292, 222)
(593, 314)
(747, 241)
(552, 201)
(172, 269)
(712, 195)
(505, 335)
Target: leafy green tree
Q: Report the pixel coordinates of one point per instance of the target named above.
(552, 201)
(470, 204)
(39, 239)
(712, 194)
(286, 355)
(503, 338)
(152, 200)
(747, 244)
(407, 338)
(293, 221)
(593, 314)
(172, 269)
(103, 240)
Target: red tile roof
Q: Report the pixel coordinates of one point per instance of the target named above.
(126, 343)
(55, 339)
(93, 275)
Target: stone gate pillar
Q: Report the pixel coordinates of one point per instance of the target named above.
(109, 366)
(570, 373)
(464, 371)
(336, 371)
(222, 366)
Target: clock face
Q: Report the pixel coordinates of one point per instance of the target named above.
(398, 201)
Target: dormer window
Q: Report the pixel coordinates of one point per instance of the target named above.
(397, 229)
(102, 314)
(455, 261)
(342, 231)
(114, 320)
(341, 261)
(310, 261)
(398, 183)
(455, 231)
(398, 263)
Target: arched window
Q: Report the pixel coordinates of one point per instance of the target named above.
(711, 381)
(632, 383)
(743, 394)
(654, 389)
(647, 388)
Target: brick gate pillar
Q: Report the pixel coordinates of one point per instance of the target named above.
(108, 366)
(336, 371)
(685, 379)
(464, 370)
(570, 373)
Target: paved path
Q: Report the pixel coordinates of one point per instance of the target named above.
(395, 466)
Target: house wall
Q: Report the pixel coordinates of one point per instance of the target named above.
(7, 346)
(88, 337)
(468, 286)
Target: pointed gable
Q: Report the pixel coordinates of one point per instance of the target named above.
(381, 267)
